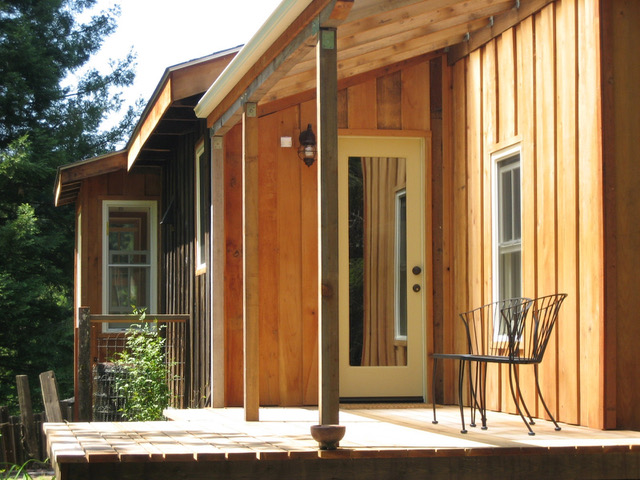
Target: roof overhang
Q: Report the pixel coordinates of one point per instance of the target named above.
(69, 177)
(172, 105)
(279, 61)
(168, 114)
(279, 64)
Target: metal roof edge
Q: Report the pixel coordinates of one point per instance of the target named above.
(274, 26)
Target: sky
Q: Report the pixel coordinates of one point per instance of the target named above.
(164, 33)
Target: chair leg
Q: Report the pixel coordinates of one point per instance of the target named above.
(473, 383)
(521, 398)
(544, 404)
(483, 394)
(433, 390)
(515, 399)
(460, 385)
(478, 390)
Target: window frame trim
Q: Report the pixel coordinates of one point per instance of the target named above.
(200, 263)
(152, 206)
(498, 156)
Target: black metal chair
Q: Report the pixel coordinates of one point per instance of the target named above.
(514, 332)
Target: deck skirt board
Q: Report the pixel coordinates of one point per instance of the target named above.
(218, 443)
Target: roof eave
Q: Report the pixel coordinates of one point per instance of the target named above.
(276, 24)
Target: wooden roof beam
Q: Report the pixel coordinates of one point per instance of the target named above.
(272, 104)
(375, 58)
(500, 24)
(417, 18)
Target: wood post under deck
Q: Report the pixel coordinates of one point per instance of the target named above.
(329, 395)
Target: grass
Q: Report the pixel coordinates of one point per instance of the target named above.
(27, 471)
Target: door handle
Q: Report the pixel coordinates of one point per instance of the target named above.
(416, 287)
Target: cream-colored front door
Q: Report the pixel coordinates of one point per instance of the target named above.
(381, 214)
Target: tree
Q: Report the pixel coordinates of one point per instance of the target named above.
(46, 120)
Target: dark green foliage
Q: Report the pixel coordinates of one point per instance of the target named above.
(46, 121)
(141, 380)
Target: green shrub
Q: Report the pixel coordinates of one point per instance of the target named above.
(141, 379)
(18, 472)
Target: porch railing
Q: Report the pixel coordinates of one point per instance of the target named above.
(97, 346)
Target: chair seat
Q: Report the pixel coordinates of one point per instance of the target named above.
(486, 358)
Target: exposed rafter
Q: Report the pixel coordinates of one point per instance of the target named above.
(494, 27)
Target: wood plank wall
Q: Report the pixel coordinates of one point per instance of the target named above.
(184, 291)
(621, 119)
(526, 87)
(396, 99)
(139, 184)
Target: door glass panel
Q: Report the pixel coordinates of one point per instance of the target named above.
(377, 262)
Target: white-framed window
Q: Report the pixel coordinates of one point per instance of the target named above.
(507, 224)
(202, 206)
(401, 265)
(129, 273)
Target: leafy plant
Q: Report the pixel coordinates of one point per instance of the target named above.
(11, 472)
(141, 374)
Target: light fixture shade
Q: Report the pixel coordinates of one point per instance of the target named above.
(308, 149)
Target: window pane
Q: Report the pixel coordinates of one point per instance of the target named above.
(509, 224)
(506, 212)
(517, 221)
(129, 287)
(510, 274)
(129, 260)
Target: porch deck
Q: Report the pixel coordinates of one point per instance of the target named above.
(380, 442)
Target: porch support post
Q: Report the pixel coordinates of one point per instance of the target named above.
(327, 108)
(217, 274)
(250, 277)
(83, 388)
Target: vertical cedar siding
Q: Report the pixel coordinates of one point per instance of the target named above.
(536, 84)
(183, 290)
(396, 100)
(620, 120)
(142, 183)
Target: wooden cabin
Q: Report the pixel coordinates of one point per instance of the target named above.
(466, 151)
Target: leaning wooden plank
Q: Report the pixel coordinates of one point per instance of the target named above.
(26, 413)
(50, 397)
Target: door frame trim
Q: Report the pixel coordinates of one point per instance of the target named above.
(427, 254)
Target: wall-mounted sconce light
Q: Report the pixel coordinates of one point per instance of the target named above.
(308, 150)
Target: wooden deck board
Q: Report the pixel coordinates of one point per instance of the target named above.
(378, 438)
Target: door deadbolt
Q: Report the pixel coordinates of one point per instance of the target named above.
(416, 270)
